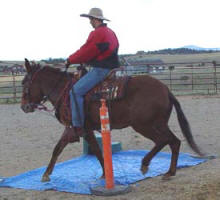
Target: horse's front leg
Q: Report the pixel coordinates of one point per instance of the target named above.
(90, 138)
(67, 137)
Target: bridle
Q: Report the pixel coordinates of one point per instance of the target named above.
(26, 91)
(41, 105)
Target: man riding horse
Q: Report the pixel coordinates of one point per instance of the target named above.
(101, 52)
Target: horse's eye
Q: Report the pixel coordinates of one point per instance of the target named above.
(23, 83)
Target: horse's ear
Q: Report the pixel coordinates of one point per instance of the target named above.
(27, 65)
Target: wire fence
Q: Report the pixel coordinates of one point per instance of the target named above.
(181, 78)
(10, 88)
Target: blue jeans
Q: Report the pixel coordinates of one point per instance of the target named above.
(80, 88)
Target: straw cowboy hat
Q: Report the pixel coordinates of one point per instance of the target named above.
(95, 13)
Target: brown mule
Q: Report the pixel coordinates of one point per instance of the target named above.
(146, 107)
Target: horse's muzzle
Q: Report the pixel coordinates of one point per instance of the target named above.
(28, 107)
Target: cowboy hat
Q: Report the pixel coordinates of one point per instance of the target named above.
(95, 13)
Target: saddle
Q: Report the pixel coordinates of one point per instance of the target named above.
(112, 88)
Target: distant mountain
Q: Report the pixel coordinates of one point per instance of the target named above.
(193, 47)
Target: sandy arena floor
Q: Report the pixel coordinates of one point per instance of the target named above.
(27, 141)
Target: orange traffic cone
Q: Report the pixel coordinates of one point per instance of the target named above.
(106, 143)
(110, 188)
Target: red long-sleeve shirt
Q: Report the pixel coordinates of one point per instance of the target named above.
(100, 49)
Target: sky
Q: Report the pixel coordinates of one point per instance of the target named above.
(42, 29)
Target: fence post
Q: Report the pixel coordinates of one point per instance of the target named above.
(170, 69)
(14, 87)
(215, 77)
(192, 78)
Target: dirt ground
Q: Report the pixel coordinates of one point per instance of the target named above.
(27, 141)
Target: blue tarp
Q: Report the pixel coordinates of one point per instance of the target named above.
(80, 174)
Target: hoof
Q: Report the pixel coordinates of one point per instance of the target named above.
(167, 176)
(102, 177)
(45, 178)
(144, 169)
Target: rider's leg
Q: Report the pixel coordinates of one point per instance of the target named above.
(86, 83)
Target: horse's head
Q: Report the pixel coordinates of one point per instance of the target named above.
(32, 94)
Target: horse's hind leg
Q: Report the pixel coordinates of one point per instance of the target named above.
(90, 138)
(161, 136)
(175, 147)
(64, 140)
(159, 140)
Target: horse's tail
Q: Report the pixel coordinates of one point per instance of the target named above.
(184, 125)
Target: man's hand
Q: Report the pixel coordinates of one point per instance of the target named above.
(67, 64)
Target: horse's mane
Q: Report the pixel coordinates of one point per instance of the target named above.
(36, 66)
(47, 70)
(53, 70)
